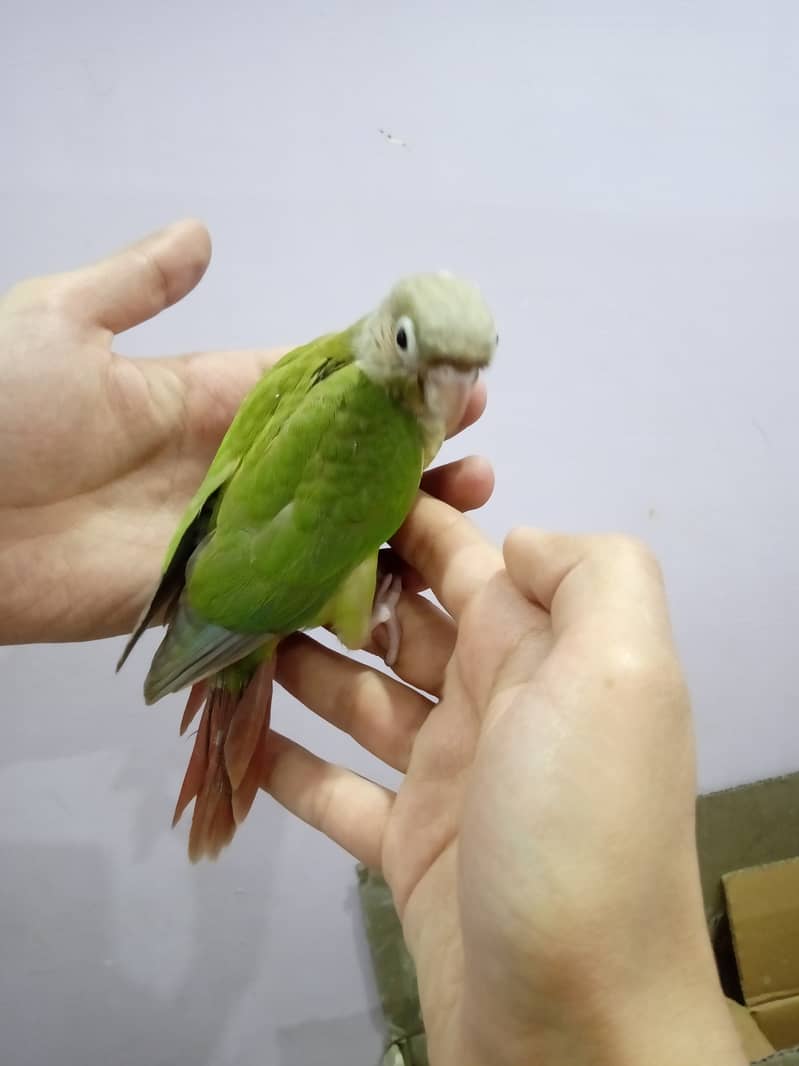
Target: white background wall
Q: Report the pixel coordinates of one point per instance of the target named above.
(624, 186)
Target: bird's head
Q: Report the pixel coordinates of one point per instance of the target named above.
(434, 331)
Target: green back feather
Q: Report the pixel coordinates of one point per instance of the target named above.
(328, 477)
(271, 401)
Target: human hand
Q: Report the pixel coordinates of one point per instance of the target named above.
(101, 453)
(541, 848)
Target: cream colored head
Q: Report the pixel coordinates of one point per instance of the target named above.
(434, 329)
(427, 320)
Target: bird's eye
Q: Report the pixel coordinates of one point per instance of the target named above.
(405, 340)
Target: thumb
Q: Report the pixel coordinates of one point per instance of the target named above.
(138, 282)
(611, 579)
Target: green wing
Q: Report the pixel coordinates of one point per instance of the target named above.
(268, 404)
(310, 503)
(318, 491)
(271, 401)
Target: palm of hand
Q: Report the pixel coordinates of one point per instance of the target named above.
(107, 452)
(482, 841)
(555, 670)
(103, 452)
(440, 852)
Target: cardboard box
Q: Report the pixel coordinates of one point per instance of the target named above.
(763, 910)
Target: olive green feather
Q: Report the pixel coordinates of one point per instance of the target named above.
(306, 485)
(319, 467)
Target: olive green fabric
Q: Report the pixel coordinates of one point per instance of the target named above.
(737, 827)
(395, 974)
(745, 826)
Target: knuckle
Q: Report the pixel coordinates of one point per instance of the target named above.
(27, 293)
(637, 668)
(626, 665)
(633, 552)
(156, 279)
(517, 539)
(348, 702)
(322, 805)
(61, 295)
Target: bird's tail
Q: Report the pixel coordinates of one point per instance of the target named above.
(228, 760)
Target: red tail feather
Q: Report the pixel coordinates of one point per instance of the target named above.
(246, 726)
(226, 765)
(193, 704)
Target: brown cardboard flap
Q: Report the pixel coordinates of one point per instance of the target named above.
(779, 1021)
(763, 907)
(745, 826)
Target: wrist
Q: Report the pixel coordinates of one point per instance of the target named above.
(661, 1015)
(672, 1022)
(675, 1029)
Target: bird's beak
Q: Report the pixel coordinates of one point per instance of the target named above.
(447, 389)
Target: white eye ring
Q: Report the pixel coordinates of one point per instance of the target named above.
(405, 339)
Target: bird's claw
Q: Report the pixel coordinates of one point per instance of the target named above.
(384, 613)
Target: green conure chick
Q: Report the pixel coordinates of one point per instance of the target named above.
(318, 469)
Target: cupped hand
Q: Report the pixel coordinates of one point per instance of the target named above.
(540, 848)
(101, 453)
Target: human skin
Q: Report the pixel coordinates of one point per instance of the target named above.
(101, 453)
(541, 847)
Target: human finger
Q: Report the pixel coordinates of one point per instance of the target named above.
(136, 283)
(378, 712)
(465, 484)
(347, 808)
(475, 406)
(426, 644)
(613, 578)
(450, 554)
